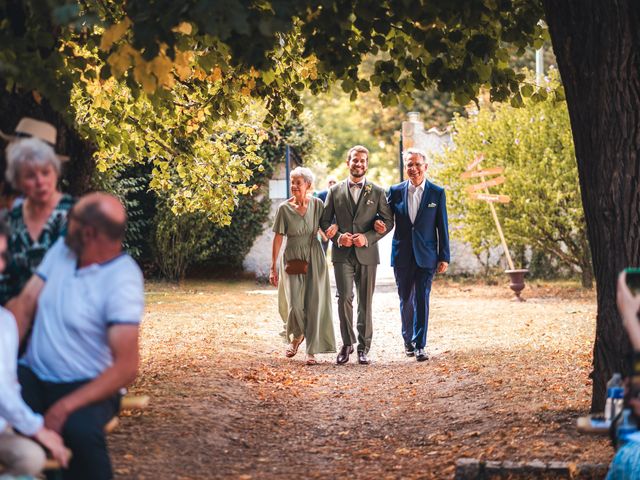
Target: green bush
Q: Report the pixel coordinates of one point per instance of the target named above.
(535, 147)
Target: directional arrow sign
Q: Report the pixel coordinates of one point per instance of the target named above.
(482, 173)
(489, 183)
(475, 162)
(489, 197)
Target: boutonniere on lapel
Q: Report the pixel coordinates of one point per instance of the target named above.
(431, 205)
(367, 188)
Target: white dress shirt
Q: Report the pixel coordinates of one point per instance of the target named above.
(355, 190)
(355, 195)
(13, 410)
(414, 197)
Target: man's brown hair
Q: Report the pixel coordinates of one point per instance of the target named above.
(357, 148)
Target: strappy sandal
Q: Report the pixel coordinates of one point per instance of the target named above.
(311, 360)
(292, 348)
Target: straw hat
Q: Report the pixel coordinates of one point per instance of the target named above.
(32, 128)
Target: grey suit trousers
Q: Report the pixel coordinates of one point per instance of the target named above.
(364, 276)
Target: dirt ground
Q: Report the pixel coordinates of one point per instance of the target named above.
(505, 381)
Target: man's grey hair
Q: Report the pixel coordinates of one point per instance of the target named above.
(414, 151)
(304, 173)
(32, 152)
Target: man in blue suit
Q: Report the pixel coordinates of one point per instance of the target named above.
(420, 247)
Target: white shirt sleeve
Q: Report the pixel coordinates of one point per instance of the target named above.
(13, 409)
(125, 303)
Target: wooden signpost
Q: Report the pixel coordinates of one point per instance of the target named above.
(473, 172)
(484, 185)
(482, 173)
(490, 197)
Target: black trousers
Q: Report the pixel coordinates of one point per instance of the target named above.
(83, 432)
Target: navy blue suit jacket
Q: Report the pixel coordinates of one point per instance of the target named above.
(322, 195)
(425, 242)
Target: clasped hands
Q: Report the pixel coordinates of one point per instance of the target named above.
(354, 239)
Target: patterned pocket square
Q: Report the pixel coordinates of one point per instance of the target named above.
(431, 205)
(370, 202)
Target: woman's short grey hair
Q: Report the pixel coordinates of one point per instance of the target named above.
(28, 151)
(414, 151)
(304, 173)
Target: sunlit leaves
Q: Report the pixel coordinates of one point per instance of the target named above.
(185, 68)
(114, 33)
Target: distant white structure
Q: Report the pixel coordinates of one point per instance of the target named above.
(432, 142)
(258, 260)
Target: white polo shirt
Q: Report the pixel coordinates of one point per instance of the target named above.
(75, 310)
(13, 410)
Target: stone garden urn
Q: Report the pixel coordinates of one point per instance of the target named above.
(516, 278)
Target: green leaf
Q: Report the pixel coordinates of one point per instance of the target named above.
(526, 90)
(516, 101)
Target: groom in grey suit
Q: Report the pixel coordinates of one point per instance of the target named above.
(356, 204)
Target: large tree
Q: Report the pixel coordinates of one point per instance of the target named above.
(271, 50)
(597, 47)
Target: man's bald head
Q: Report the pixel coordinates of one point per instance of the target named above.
(104, 212)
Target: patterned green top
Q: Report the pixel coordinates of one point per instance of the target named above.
(26, 254)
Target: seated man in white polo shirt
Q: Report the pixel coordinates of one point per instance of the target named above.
(87, 297)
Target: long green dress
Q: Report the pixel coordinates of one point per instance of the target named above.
(304, 301)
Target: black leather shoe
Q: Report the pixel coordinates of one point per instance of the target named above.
(409, 349)
(363, 359)
(421, 355)
(343, 356)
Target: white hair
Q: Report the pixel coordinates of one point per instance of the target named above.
(28, 151)
(414, 151)
(304, 173)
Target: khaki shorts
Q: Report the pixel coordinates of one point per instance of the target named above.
(20, 455)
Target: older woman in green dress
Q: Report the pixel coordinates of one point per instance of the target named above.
(304, 300)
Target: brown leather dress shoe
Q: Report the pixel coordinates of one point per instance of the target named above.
(343, 356)
(363, 359)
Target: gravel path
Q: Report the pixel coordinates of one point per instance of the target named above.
(505, 381)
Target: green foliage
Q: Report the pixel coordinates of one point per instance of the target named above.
(173, 82)
(179, 242)
(131, 185)
(534, 146)
(192, 240)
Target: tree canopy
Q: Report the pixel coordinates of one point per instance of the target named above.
(188, 85)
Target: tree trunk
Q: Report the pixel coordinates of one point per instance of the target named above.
(596, 46)
(78, 171)
(586, 276)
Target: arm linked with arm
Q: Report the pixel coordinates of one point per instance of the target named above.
(384, 214)
(328, 216)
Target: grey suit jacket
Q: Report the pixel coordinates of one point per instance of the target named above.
(372, 205)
